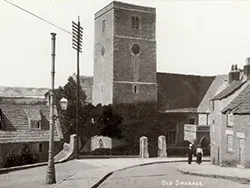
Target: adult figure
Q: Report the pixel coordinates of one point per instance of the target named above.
(199, 154)
(190, 153)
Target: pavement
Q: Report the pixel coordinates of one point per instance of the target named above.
(106, 167)
(208, 170)
(90, 173)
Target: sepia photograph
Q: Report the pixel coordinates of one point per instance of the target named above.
(125, 94)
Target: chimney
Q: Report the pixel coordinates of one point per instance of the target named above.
(247, 68)
(234, 74)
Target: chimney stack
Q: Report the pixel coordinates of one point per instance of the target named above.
(234, 74)
(247, 68)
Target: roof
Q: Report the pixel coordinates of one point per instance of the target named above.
(234, 86)
(241, 103)
(219, 84)
(15, 127)
(177, 91)
(22, 92)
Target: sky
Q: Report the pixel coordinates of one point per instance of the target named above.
(198, 37)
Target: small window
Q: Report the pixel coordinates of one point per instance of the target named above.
(229, 142)
(135, 89)
(40, 149)
(230, 119)
(135, 22)
(103, 25)
(39, 124)
(192, 121)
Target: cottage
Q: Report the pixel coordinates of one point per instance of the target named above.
(230, 126)
(24, 122)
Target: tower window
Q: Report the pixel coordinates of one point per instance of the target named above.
(135, 22)
(135, 89)
(40, 148)
(103, 25)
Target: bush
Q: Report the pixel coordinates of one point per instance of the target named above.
(13, 159)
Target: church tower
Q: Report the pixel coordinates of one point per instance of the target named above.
(125, 54)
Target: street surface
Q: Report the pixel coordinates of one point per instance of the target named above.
(163, 175)
(35, 177)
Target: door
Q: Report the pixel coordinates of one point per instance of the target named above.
(241, 152)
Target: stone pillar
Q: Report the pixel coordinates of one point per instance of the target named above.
(162, 146)
(144, 147)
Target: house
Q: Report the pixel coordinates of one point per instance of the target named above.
(229, 121)
(25, 122)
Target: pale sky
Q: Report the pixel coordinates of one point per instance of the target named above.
(202, 37)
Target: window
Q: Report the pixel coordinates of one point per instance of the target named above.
(40, 148)
(135, 89)
(38, 124)
(135, 22)
(192, 121)
(229, 142)
(171, 137)
(103, 25)
(230, 119)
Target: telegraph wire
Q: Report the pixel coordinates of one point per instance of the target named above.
(37, 17)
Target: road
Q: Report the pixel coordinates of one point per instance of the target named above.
(35, 177)
(163, 175)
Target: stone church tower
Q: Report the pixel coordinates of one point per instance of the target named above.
(124, 54)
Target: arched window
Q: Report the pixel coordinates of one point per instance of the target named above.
(135, 22)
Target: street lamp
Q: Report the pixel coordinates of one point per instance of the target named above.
(51, 175)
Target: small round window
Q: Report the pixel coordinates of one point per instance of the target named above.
(103, 51)
(135, 49)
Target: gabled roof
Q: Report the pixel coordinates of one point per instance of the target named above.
(241, 104)
(219, 84)
(15, 127)
(234, 86)
(177, 91)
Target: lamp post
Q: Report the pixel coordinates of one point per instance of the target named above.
(51, 174)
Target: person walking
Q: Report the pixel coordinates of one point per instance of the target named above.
(199, 154)
(190, 153)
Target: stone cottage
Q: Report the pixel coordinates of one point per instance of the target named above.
(229, 125)
(25, 122)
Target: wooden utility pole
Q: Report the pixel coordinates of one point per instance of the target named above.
(77, 31)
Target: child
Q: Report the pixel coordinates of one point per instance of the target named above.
(199, 153)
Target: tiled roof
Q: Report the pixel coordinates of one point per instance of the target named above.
(234, 86)
(241, 104)
(219, 84)
(22, 92)
(177, 91)
(15, 127)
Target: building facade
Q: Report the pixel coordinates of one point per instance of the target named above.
(229, 126)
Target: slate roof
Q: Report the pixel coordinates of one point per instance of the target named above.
(15, 127)
(234, 86)
(178, 91)
(241, 104)
(218, 85)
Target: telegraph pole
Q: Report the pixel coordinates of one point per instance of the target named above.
(77, 31)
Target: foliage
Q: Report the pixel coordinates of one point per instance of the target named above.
(23, 157)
